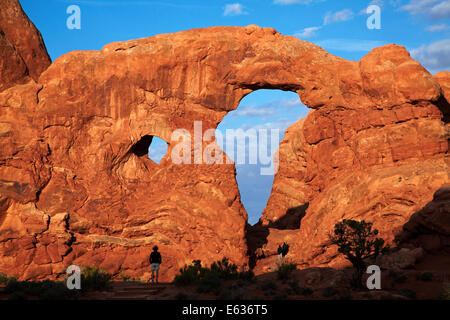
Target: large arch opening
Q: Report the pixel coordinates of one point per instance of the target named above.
(265, 113)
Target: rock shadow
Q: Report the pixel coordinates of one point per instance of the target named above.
(257, 234)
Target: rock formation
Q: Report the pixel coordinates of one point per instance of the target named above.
(23, 54)
(429, 228)
(76, 186)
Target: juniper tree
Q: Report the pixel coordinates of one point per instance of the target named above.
(358, 242)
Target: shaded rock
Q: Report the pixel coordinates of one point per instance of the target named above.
(402, 259)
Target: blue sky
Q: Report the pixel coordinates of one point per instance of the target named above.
(422, 26)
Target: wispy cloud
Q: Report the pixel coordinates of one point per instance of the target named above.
(435, 9)
(434, 56)
(292, 1)
(267, 110)
(339, 16)
(437, 27)
(234, 9)
(350, 45)
(307, 32)
(108, 3)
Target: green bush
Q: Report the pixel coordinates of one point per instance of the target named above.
(445, 292)
(426, 276)
(306, 291)
(210, 283)
(248, 276)
(232, 293)
(284, 270)
(408, 293)
(3, 278)
(397, 276)
(345, 296)
(93, 278)
(195, 274)
(44, 290)
(295, 287)
(268, 286)
(18, 295)
(280, 296)
(181, 296)
(329, 292)
(189, 274)
(224, 269)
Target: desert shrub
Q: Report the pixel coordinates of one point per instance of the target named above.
(125, 277)
(209, 283)
(368, 296)
(306, 291)
(93, 278)
(345, 296)
(280, 296)
(189, 274)
(44, 290)
(357, 242)
(224, 269)
(3, 278)
(55, 291)
(398, 277)
(232, 293)
(18, 295)
(284, 270)
(425, 276)
(294, 287)
(408, 293)
(247, 275)
(268, 286)
(329, 292)
(445, 292)
(181, 296)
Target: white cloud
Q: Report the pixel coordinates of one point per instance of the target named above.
(395, 3)
(441, 10)
(350, 45)
(307, 32)
(234, 9)
(266, 110)
(435, 9)
(253, 111)
(339, 16)
(438, 27)
(291, 1)
(434, 56)
(379, 3)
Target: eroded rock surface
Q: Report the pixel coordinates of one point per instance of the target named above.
(23, 54)
(75, 187)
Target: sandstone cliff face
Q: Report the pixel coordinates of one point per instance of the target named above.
(23, 54)
(76, 188)
(380, 164)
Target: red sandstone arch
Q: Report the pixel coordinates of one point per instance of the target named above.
(68, 195)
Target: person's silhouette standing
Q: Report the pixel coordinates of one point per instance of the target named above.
(155, 261)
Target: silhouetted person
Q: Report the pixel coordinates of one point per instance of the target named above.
(282, 251)
(155, 261)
